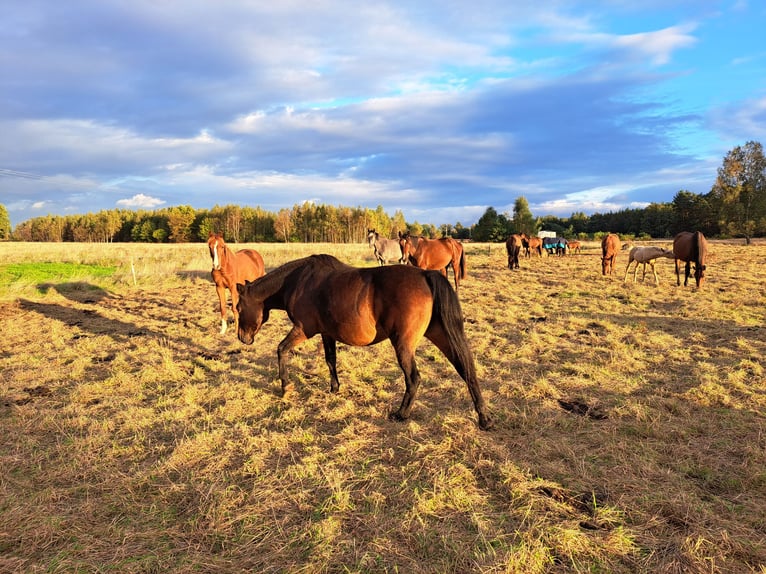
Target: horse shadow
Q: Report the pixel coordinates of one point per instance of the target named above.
(194, 274)
(78, 291)
(87, 319)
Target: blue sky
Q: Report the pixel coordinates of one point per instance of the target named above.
(437, 109)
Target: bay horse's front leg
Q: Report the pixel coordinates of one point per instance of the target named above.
(295, 337)
(406, 358)
(330, 357)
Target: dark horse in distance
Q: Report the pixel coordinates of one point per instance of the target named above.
(359, 307)
(229, 269)
(691, 248)
(513, 246)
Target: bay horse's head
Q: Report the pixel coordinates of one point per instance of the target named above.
(405, 242)
(252, 313)
(215, 243)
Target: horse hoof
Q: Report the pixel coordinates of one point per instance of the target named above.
(396, 417)
(287, 389)
(486, 423)
(223, 327)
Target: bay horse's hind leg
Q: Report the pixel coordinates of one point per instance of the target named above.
(330, 357)
(406, 358)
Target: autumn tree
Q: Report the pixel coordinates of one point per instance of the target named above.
(5, 223)
(741, 189)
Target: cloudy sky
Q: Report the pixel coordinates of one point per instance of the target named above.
(437, 109)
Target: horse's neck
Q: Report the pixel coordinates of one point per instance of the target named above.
(271, 287)
(225, 257)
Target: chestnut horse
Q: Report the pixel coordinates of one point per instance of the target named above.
(434, 254)
(360, 307)
(229, 269)
(610, 245)
(574, 246)
(513, 247)
(691, 248)
(531, 244)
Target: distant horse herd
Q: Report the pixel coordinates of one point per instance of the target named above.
(401, 303)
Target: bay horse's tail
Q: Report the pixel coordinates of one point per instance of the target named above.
(463, 271)
(696, 254)
(447, 333)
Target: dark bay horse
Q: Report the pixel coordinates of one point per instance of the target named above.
(434, 254)
(229, 269)
(610, 246)
(513, 246)
(385, 250)
(359, 307)
(691, 248)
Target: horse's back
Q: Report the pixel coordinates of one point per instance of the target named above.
(250, 265)
(361, 305)
(686, 248)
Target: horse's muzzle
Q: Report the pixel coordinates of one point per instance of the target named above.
(246, 337)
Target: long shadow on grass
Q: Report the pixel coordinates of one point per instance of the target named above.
(79, 291)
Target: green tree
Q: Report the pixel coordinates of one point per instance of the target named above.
(523, 221)
(5, 223)
(491, 226)
(741, 189)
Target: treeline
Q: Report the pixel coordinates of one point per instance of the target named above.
(734, 207)
(307, 223)
(657, 220)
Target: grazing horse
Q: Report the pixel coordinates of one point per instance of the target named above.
(646, 255)
(385, 249)
(610, 245)
(434, 254)
(229, 269)
(360, 307)
(557, 245)
(692, 248)
(513, 246)
(574, 246)
(532, 244)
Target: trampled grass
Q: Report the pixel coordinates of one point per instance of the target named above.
(630, 424)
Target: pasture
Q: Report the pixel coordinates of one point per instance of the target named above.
(630, 423)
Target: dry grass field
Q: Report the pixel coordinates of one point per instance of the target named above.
(630, 424)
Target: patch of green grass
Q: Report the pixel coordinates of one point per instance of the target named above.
(41, 272)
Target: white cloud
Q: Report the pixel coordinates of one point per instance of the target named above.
(140, 201)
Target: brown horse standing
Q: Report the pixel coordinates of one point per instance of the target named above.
(574, 246)
(691, 248)
(359, 307)
(610, 245)
(434, 254)
(532, 244)
(513, 246)
(229, 269)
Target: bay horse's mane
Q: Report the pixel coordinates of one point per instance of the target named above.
(274, 279)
